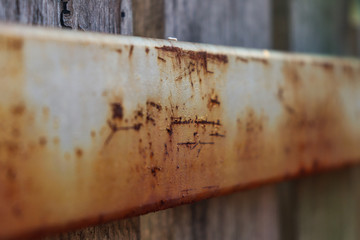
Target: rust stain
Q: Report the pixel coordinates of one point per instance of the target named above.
(161, 59)
(251, 136)
(117, 111)
(153, 104)
(217, 135)
(325, 65)
(93, 134)
(147, 50)
(213, 101)
(131, 50)
(18, 109)
(42, 141)
(263, 61)
(200, 56)
(56, 140)
(168, 148)
(154, 171)
(79, 152)
(349, 71)
(309, 129)
(242, 59)
(46, 111)
(280, 96)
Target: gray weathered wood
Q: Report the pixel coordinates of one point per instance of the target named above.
(327, 206)
(125, 229)
(246, 23)
(280, 24)
(318, 26)
(110, 16)
(247, 215)
(149, 18)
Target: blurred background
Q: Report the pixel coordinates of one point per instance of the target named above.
(324, 206)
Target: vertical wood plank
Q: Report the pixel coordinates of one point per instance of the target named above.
(110, 16)
(107, 16)
(246, 23)
(318, 26)
(280, 24)
(246, 215)
(149, 18)
(326, 206)
(126, 229)
(35, 12)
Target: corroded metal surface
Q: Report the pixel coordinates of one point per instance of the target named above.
(97, 127)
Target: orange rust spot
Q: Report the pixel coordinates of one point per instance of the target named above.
(42, 141)
(45, 111)
(79, 152)
(280, 96)
(14, 43)
(104, 93)
(311, 128)
(154, 170)
(15, 132)
(291, 74)
(147, 50)
(16, 210)
(213, 101)
(259, 60)
(131, 50)
(119, 50)
(117, 111)
(349, 71)
(56, 140)
(11, 174)
(161, 59)
(250, 130)
(18, 109)
(242, 59)
(326, 65)
(93, 134)
(201, 56)
(139, 113)
(153, 104)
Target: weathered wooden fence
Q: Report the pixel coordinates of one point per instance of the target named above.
(324, 206)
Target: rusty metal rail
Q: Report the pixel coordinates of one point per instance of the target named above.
(96, 127)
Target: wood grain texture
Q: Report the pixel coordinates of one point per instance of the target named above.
(124, 229)
(246, 215)
(35, 12)
(245, 23)
(109, 16)
(149, 18)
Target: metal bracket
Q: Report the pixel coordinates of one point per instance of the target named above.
(97, 127)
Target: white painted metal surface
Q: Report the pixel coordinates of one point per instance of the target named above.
(96, 127)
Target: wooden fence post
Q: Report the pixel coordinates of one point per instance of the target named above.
(324, 206)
